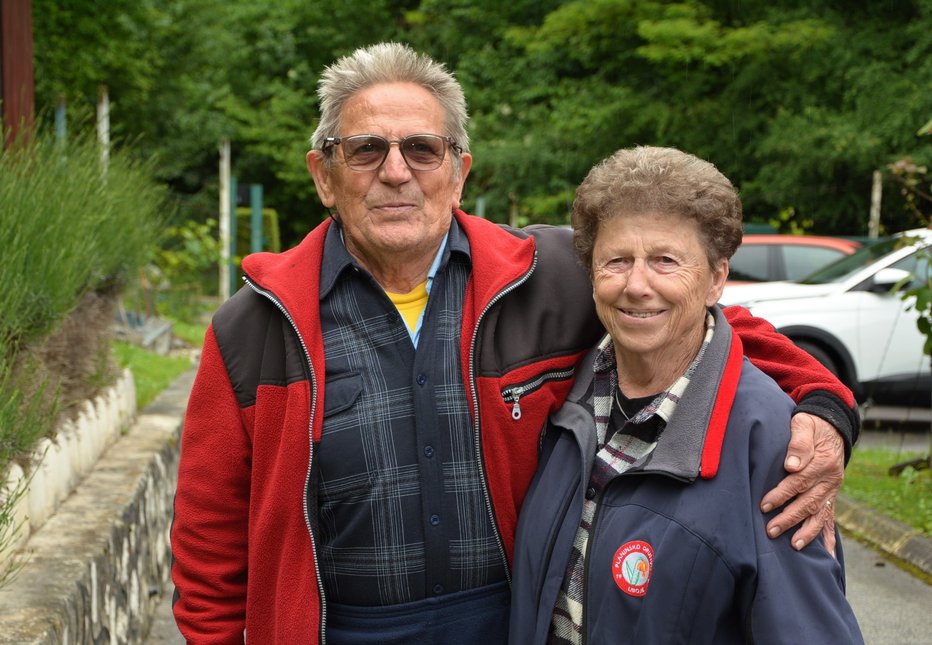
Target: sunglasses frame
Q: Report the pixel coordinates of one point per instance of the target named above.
(448, 142)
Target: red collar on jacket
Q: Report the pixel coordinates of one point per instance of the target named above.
(499, 257)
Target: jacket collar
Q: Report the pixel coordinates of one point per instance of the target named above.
(499, 257)
(691, 444)
(336, 259)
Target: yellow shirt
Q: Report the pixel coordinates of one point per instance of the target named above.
(410, 305)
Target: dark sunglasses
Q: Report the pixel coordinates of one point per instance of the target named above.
(366, 152)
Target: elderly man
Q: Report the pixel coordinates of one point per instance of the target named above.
(365, 420)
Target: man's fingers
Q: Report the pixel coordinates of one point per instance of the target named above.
(828, 532)
(813, 488)
(826, 469)
(823, 522)
(788, 488)
(808, 506)
(801, 448)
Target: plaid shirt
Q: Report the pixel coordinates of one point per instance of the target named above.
(615, 454)
(402, 509)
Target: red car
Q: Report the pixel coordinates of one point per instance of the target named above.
(767, 258)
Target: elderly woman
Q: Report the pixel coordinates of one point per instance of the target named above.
(642, 523)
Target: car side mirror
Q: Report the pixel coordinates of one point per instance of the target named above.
(890, 279)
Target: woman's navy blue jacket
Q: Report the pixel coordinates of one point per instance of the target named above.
(678, 551)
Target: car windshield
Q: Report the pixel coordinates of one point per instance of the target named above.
(839, 270)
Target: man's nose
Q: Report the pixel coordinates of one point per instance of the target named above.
(394, 168)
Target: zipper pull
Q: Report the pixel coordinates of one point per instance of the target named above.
(516, 409)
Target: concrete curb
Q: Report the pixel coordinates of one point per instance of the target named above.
(886, 535)
(94, 572)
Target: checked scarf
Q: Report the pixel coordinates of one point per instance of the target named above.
(615, 455)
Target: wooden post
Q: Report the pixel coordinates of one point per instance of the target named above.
(873, 225)
(224, 220)
(103, 128)
(17, 89)
(233, 227)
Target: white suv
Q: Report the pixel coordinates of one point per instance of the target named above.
(847, 317)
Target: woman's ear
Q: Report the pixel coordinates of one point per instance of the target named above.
(719, 277)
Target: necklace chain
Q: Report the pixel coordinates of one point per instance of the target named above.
(620, 406)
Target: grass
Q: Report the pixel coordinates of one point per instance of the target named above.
(191, 333)
(907, 497)
(152, 372)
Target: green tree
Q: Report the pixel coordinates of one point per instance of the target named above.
(774, 95)
(797, 102)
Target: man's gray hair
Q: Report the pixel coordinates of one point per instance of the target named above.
(389, 63)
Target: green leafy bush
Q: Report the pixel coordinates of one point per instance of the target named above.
(67, 228)
(181, 279)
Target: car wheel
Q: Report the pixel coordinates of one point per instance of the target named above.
(820, 355)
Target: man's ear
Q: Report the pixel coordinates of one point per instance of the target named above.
(465, 165)
(321, 175)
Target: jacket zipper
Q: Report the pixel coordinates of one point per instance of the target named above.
(514, 393)
(310, 434)
(559, 518)
(586, 561)
(592, 527)
(475, 404)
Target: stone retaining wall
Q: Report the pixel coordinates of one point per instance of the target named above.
(96, 568)
(58, 466)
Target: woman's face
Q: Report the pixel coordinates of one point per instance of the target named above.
(652, 284)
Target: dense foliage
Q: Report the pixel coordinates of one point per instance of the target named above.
(798, 102)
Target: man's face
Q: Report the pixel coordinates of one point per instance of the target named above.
(392, 214)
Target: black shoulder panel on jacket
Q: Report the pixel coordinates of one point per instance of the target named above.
(257, 343)
(552, 314)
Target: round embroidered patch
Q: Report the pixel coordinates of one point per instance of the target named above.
(632, 566)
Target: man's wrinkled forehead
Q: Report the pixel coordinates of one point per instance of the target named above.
(395, 109)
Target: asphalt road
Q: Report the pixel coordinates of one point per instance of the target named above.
(891, 605)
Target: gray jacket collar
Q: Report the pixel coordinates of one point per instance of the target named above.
(680, 447)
